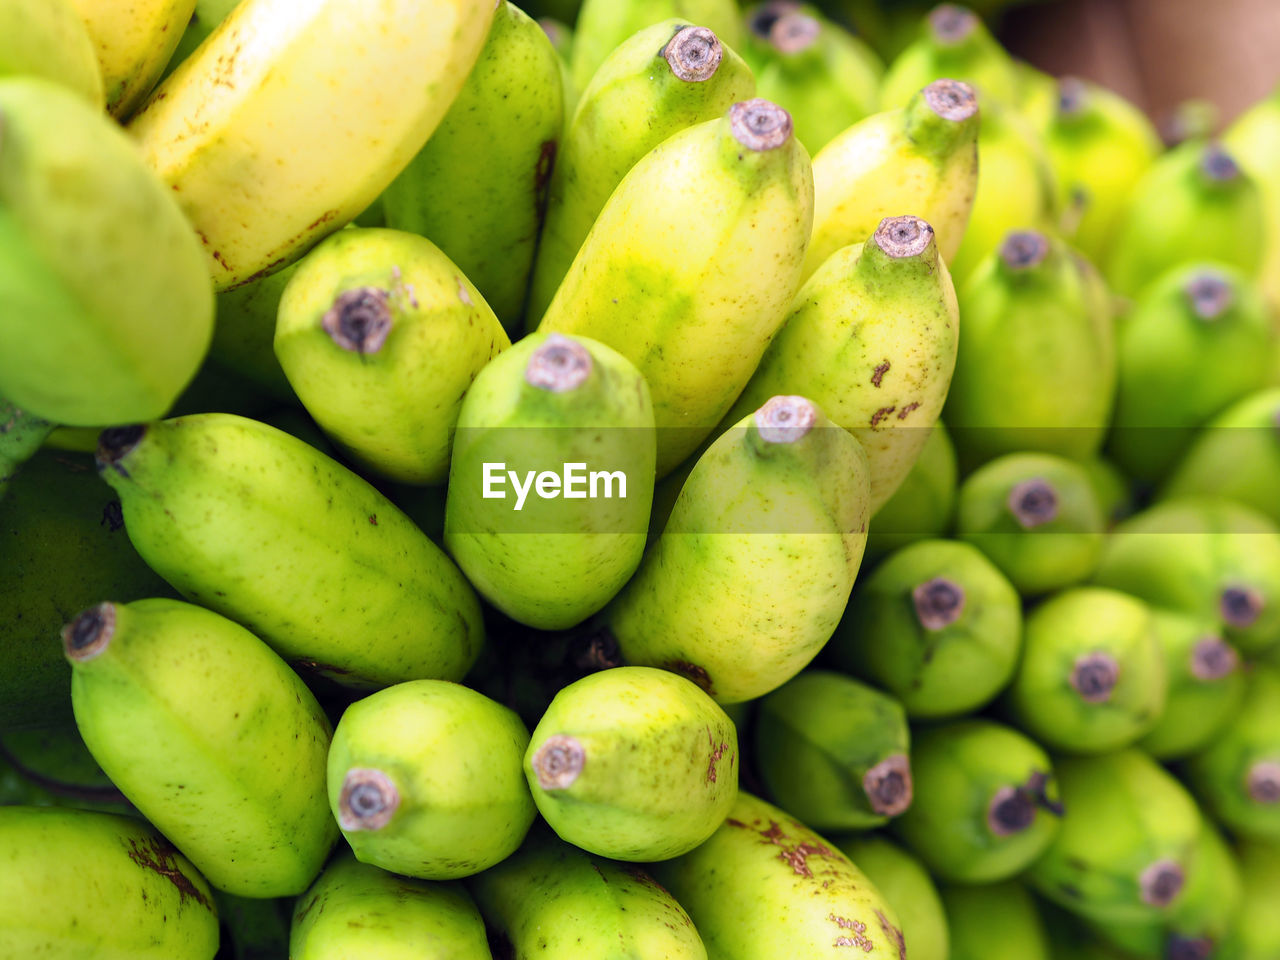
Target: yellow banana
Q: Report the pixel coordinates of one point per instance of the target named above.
(47, 38)
(134, 40)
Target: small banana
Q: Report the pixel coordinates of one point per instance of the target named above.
(134, 40)
(1254, 139)
(995, 922)
(908, 888)
(922, 506)
(47, 38)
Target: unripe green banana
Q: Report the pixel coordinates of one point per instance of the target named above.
(662, 80)
(936, 624)
(210, 735)
(549, 402)
(302, 165)
(78, 884)
(551, 899)
(755, 565)
(425, 780)
(834, 751)
(922, 157)
(1205, 685)
(1092, 676)
(908, 888)
(260, 526)
(1195, 203)
(380, 335)
(922, 506)
(108, 308)
(1208, 557)
(996, 922)
(47, 38)
(953, 42)
(1036, 516)
(1037, 371)
(355, 910)
(1257, 931)
(133, 42)
(21, 434)
(52, 766)
(1254, 140)
(1126, 843)
(871, 338)
(762, 866)
(651, 280)
(633, 763)
(485, 216)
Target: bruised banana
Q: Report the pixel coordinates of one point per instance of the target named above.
(954, 43)
(47, 38)
(134, 40)
(907, 886)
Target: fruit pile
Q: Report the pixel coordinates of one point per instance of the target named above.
(477, 488)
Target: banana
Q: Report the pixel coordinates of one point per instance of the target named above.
(922, 506)
(108, 310)
(133, 40)
(908, 888)
(1254, 139)
(51, 766)
(1037, 98)
(262, 165)
(47, 38)
(953, 42)
(871, 338)
(561, 36)
(755, 565)
(664, 79)
(210, 735)
(485, 217)
(82, 884)
(1111, 488)
(425, 780)
(652, 282)
(553, 899)
(244, 334)
(1257, 932)
(204, 20)
(380, 335)
(834, 751)
(922, 157)
(936, 624)
(1036, 516)
(995, 922)
(549, 402)
(766, 886)
(21, 435)
(263, 528)
(354, 910)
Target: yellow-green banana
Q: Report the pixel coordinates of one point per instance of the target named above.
(262, 164)
(922, 506)
(204, 20)
(134, 40)
(908, 888)
(1257, 931)
(995, 922)
(47, 38)
(260, 526)
(1254, 140)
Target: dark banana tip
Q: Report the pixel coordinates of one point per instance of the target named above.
(694, 54)
(368, 800)
(1263, 782)
(1240, 606)
(1209, 294)
(951, 99)
(1178, 947)
(763, 16)
(759, 124)
(794, 33)
(88, 635)
(1024, 249)
(114, 445)
(952, 23)
(902, 237)
(559, 365)
(558, 762)
(1033, 502)
(938, 602)
(1094, 676)
(1212, 658)
(359, 319)
(1218, 165)
(785, 419)
(1011, 811)
(1161, 883)
(888, 785)
(1073, 96)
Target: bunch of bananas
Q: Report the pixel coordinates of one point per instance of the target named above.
(472, 487)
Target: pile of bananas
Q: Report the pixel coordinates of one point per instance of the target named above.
(475, 488)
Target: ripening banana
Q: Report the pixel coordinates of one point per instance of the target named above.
(755, 565)
(922, 506)
(210, 735)
(1254, 140)
(661, 80)
(261, 527)
(264, 174)
(485, 216)
(908, 888)
(108, 310)
(133, 40)
(994, 922)
(79, 884)
(47, 38)
(652, 280)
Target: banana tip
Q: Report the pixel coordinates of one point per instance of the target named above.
(1033, 503)
(1073, 96)
(888, 785)
(794, 32)
(1161, 883)
(89, 634)
(1209, 294)
(114, 445)
(359, 320)
(785, 419)
(759, 124)
(1264, 782)
(938, 602)
(368, 800)
(1011, 811)
(951, 100)
(1218, 165)
(558, 762)
(558, 365)
(1212, 658)
(1179, 947)
(951, 23)
(1094, 676)
(762, 17)
(694, 54)
(1240, 606)
(1024, 249)
(901, 237)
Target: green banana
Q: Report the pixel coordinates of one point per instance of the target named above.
(21, 435)
(260, 526)
(633, 764)
(1195, 203)
(551, 899)
(664, 79)
(651, 280)
(425, 780)
(936, 624)
(1092, 676)
(354, 910)
(995, 922)
(834, 751)
(380, 336)
(1254, 139)
(561, 36)
(1036, 516)
(78, 884)
(1126, 843)
(133, 40)
(871, 338)
(922, 506)
(210, 735)
(953, 42)
(922, 157)
(908, 888)
(549, 402)
(756, 563)
(47, 38)
(485, 217)
(1257, 930)
(1208, 557)
(762, 866)
(1037, 371)
(108, 307)
(244, 333)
